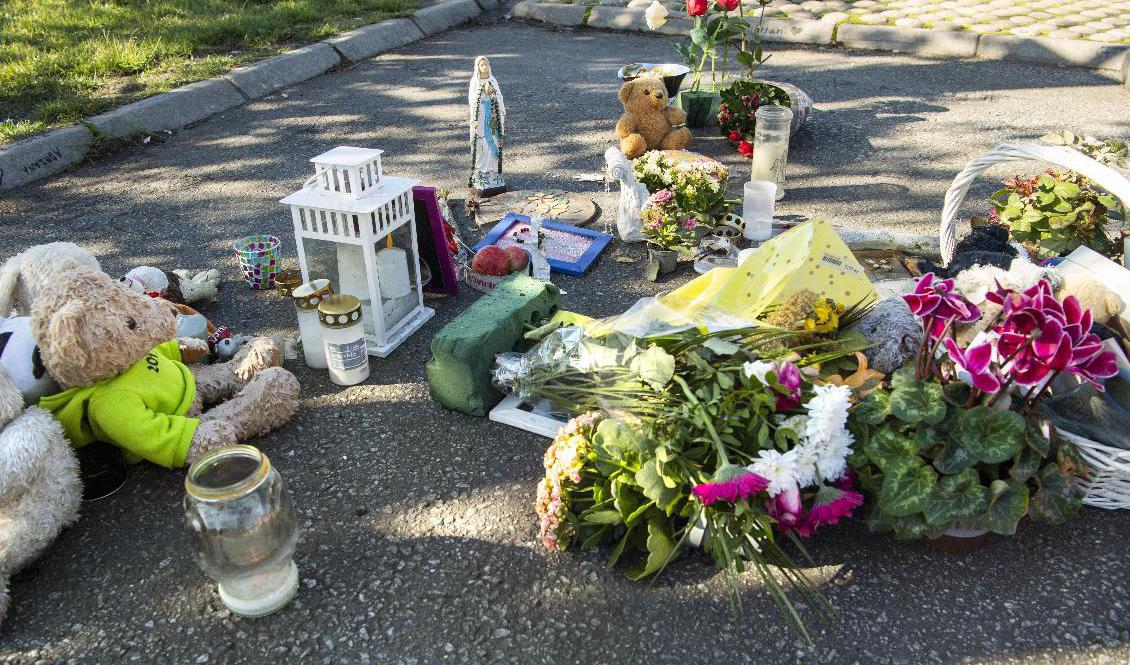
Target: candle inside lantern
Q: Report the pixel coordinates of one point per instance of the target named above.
(757, 209)
(242, 529)
(771, 145)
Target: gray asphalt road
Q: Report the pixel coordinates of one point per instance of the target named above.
(419, 536)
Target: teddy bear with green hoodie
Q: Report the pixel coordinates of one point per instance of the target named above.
(125, 380)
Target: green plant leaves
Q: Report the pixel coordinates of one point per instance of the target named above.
(918, 402)
(990, 435)
(1063, 188)
(954, 458)
(1008, 503)
(906, 490)
(654, 367)
(890, 450)
(699, 36)
(874, 408)
(602, 517)
(957, 497)
(660, 548)
(654, 486)
(617, 442)
(1057, 499)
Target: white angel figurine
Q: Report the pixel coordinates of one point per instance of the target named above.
(487, 117)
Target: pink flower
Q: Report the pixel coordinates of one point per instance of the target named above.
(831, 505)
(689, 223)
(788, 377)
(745, 148)
(663, 196)
(741, 486)
(937, 304)
(786, 508)
(976, 360)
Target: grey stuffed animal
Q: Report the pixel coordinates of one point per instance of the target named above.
(894, 333)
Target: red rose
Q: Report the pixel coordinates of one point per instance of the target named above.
(745, 148)
(734, 136)
(696, 7)
(728, 5)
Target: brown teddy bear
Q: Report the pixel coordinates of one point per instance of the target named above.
(126, 383)
(647, 123)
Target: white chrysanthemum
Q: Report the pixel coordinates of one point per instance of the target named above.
(827, 413)
(831, 456)
(807, 460)
(757, 368)
(796, 423)
(778, 468)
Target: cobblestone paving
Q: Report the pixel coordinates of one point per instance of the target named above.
(1098, 20)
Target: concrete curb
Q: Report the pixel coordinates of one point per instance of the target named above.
(171, 110)
(267, 76)
(437, 18)
(41, 156)
(919, 41)
(1075, 52)
(356, 45)
(1107, 58)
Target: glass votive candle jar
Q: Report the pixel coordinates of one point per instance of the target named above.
(771, 145)
(757, 209)
(306, 299)
(343, 336)
(287, 280)
(242, 529)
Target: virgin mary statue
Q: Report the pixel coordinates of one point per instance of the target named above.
(487, 115)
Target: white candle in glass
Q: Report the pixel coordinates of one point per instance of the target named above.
(771, 145)
(757, 209)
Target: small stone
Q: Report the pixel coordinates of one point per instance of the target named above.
(501, 633)
(908, 22)
(835, 17)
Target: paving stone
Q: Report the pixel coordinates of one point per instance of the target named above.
(925, 42)
(1106, 37)
(437, 18)
(1053, 51)
(171, 110)
(835, 17)
(872, 19)
(557, 14)
(988, 27)
(370, 40)
(1025, 30)
(267, 76)
(40, 156)
(945, 26)
(802, 16)
(907, 22)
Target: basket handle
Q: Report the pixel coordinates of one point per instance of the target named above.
(1106, 177)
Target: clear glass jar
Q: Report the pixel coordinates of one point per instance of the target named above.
(242, 529)
(771, 145)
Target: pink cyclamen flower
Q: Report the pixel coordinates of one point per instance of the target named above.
(976, 361)
(831, 505)
(744, 485)
(786, 508)
(788, 376)
(937, 304)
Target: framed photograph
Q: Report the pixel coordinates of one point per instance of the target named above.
(431, 237)
(569, 250)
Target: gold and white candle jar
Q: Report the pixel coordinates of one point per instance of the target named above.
(343, 334)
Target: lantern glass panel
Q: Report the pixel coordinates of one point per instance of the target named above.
(396, 271)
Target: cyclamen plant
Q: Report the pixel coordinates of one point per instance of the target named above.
(947, 445)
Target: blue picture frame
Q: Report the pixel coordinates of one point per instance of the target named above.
(573, 268)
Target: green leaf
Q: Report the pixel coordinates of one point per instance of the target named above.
(660, 547)
(1066, 189)
(602, 517)
(903, 377)
(957, 497)
(906, 490)
(721, 346)
(617, 441)
(1036, 433)
(874, 408)
(653, 487)
(1025, 465)
(1057, 499)
(1008, 503)
(990, 435)
(699, 36)
(917, 403)
(1046, 181)
(654, 366)
(618, 550)
(954, 458)
(890, 450)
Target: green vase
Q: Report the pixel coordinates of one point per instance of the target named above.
(698, 105)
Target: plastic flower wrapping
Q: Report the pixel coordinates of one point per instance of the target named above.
(726, 430)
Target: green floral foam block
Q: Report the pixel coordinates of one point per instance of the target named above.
(459, 373)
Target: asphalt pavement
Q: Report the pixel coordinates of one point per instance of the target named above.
(419, 539)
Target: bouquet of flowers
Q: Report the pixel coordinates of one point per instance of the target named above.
(665, 225)
(737, 114)
(948, 445)
(691, 437)
(697, 189)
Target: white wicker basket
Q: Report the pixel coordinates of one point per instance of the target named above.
(1070, 158)
(1107, 484)
(1108, 481)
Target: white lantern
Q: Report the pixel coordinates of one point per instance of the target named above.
(357, 227)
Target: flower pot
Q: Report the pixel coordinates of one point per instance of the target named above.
(661, 262)
(699, 106)
(960, 541)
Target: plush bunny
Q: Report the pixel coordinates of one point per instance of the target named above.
(40, 489)
(124, 382)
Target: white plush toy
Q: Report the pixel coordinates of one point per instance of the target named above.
(24, 275)
(40, 490)
(179, 286)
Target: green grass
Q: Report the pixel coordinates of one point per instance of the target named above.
(65, 60)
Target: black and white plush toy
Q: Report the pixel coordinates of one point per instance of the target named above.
(19, 356)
